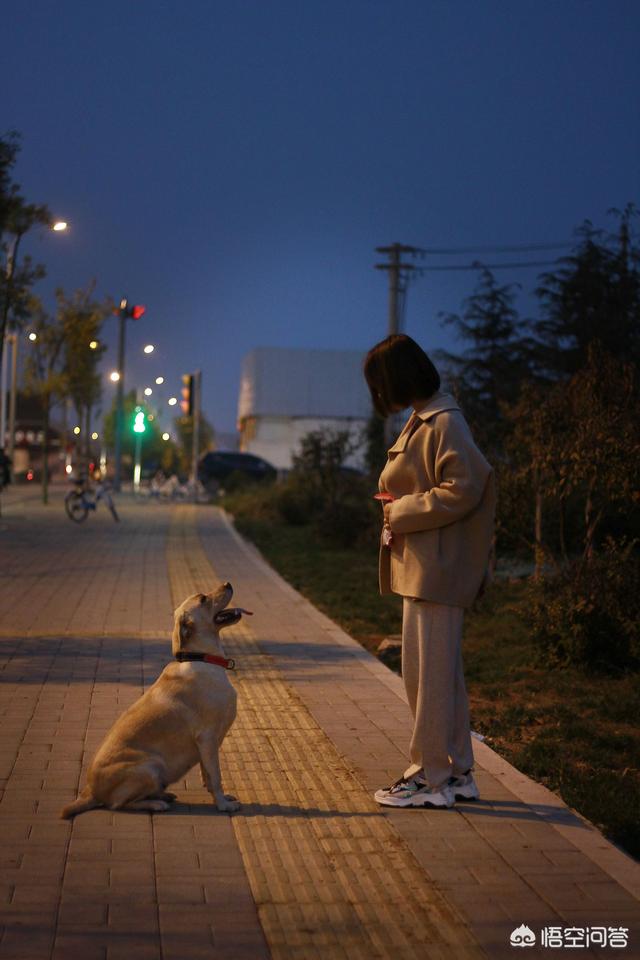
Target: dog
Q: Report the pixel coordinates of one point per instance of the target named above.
(180, 721)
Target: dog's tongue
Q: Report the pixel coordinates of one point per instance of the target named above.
(230, 612)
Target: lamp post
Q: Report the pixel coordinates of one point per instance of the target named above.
(10, 337)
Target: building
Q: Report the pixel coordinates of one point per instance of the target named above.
(287, 393)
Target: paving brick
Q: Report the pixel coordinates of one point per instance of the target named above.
(311, 861)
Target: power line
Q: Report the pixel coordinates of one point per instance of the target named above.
(516, 248)
(491, 266)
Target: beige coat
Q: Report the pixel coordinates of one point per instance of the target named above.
(443, 515)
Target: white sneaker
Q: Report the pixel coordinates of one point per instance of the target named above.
(465, 787)
(413, 792)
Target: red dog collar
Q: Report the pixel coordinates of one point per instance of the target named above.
(207, 658)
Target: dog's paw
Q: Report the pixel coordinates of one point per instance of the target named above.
(229, 804)
(158, 806)
(168, 797)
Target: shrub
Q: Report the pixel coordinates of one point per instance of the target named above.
(589, 614)
(297, 502)
(346, 522)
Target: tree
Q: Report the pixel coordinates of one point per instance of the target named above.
(580, 439)
(17, 217)
(44, 373)
(82, 319)
(488, 375)
(593, 294)
(184, 432)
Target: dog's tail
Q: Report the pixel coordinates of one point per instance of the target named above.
(84, 802)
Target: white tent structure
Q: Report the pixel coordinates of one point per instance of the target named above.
(286, 393)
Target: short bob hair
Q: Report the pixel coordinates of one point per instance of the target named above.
(398, 372)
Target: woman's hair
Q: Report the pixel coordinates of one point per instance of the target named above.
(397, 372)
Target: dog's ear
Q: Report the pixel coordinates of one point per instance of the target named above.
(186, 628)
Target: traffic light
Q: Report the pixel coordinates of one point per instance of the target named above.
(186, 404)
(135, 311)
(139, 426)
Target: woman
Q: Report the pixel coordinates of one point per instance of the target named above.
(434, 552)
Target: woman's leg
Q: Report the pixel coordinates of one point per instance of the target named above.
(431, 639)
(462, 750)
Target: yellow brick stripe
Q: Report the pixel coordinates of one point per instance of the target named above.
(329, 874)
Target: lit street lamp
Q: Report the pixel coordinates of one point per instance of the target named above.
(27, 220)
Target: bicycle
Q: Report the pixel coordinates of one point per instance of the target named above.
(83, 498)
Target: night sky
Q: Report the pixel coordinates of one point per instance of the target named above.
(232, 166)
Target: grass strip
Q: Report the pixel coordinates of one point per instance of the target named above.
(575, 733)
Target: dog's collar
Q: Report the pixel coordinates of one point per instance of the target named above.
(228, 664)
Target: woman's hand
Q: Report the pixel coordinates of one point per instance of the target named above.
(386, 510)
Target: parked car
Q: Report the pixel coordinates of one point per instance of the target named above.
(219, 468)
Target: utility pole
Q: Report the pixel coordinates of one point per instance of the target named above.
(195, 440)
(399, 273)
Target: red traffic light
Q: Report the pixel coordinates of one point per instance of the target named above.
(186, 403)
(137, 311)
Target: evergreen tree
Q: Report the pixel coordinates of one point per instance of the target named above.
(593, 295)
(488, 375)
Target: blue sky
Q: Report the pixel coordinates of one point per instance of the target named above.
(233, 166)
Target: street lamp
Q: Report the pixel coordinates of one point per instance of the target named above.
(19, 229)
(33, 337)
(149, 348)
(172, 401)
(114, 376)
(159, 380)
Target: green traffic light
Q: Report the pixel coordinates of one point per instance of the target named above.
(139, 425)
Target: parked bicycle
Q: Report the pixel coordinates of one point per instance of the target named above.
(83, 498)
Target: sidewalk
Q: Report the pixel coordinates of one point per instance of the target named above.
(311, 867)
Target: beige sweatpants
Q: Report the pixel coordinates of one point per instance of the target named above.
(434, 680)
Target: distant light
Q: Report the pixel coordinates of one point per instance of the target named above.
(148, 391)
(166, 436)
(68, 468)
(159, 380)
(60, 226)
(150, 417)
(76, 430)
(123, 303)
(115, 376)
(172, 401)
(33, 337)
(93, 345)
(149, 348)
(94, 436)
